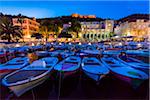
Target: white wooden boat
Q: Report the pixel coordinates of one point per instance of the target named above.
(68, 66)
(124, 72)
(12, 65)
(30, 76)
(93, 68)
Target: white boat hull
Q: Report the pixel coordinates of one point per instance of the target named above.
(22, 88)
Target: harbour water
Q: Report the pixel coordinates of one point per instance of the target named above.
(81, 87)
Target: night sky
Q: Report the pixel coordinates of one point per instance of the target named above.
(103, 9)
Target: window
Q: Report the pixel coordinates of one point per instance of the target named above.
(98, 35)
(24, 21)
(87, 35)
(92, 35)
(83, 35)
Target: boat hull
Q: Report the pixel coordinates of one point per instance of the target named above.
(22, 88)
(65, 74)
(96, 77)
(133, 82)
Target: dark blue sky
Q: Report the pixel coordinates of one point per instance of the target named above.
(104, 9)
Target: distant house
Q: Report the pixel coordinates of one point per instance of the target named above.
(29, 26)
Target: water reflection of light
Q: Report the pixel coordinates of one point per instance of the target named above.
(79, 43)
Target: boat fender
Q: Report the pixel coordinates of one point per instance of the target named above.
(44, 64)
(82, 64)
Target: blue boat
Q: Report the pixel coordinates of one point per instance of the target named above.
(125, 72)
(42, 53)
(93, 68)
(66, 53)
(68, 66)
(12, 65)
(30, 76)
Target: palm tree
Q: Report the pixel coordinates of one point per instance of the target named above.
(8, 30)
(45, 28)
(44, 31)
(57, 27)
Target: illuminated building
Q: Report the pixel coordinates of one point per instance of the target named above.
(83, 16)
(96, 30)
(29, 26)
(139, 28)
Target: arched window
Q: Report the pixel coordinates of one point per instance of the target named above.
(92, 35)
(99, 35)
(102, 36)
(83, 35)
(87, 35)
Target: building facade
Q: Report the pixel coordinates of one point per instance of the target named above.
(96, 30)
(29, 26)
(139, 28)
(83, 16)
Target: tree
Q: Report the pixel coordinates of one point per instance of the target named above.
(75, 27)
(8, 30)
(50, 26)
(44, 31)
(46, 28)
(111, 34)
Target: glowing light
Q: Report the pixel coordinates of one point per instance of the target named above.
(69, 43)
(17, 45)
(52, 43)
(120, 44)
(80, 43)
(60, 43)
(69, 39)
(89, 43)
(128, 33)
(139, 45)
(33, 44)
(38, 43)
(116, 36)
(80, 34)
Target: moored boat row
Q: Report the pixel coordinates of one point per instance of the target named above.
(94, 62)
